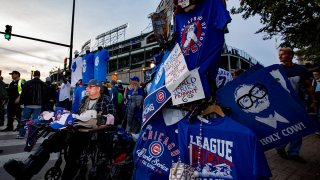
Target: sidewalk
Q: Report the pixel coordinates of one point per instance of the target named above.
(287, 169)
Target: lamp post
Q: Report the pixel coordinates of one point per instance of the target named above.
(32, 70)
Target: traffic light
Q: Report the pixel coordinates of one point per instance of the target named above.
(8, 31)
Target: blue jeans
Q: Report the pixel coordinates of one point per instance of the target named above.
(26, 116)
(294, 147)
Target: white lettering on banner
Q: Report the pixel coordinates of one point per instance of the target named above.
(189, 90)
(293, 129)
(222, 148)
(284, 132)
(175, 68)
(148, 109)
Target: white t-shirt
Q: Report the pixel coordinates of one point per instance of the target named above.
(76, 67)
(64, 91)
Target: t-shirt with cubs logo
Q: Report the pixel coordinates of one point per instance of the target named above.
(228, 150)
(200, 34)
(87, 68)
(157, 146)
(101, 59)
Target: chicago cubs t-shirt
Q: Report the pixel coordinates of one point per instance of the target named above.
(79, 93)
(157, 146)
(87, 69)
(200, 34)
(228, 150)
(100, 65)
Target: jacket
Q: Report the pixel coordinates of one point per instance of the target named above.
(34, 92)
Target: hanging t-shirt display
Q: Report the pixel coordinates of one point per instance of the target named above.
(101, 59)
(266, 105)
(76, 67)
(157, 146)
(221, 149)
(200, 34)
(79, 93)
(87, 69)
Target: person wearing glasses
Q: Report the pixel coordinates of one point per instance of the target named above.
(301, 81)
(76, 141)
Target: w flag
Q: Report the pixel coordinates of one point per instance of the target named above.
(265, 103)
(200, 34)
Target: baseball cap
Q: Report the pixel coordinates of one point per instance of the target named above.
(15, 72)
(135, 78)
(94, 82)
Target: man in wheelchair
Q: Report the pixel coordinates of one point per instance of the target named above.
(76, 141)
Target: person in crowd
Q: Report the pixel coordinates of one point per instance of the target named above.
(64, 94)
(14, 91)
(316, 86)
(33, 97)
(299, 78)
(134, 96)
(114, 92)
(51, 95)
(3, 100)
(120, 86)
(76, 141)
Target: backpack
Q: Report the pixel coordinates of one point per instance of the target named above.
(120, 97)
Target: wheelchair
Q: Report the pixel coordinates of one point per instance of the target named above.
(107, 155)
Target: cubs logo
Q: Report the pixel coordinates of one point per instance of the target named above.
(84, 66)
(192, 35)
(156, 149)
(161, 96)
(96, 61)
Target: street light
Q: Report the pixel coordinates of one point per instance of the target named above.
(152, 64)
(32, 70)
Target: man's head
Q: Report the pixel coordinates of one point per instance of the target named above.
(134, 80)
(48, 79)
(285, 55)
(15, 75)
(36, 74)
(316, 74)
(113, 82)
(93, 88)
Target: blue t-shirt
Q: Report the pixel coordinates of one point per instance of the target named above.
(155, 149)
(229, 149)
(100, 65)
(79, 93)
(87, 70)
(200, 34)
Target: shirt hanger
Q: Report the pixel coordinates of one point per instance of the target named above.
(213, 109)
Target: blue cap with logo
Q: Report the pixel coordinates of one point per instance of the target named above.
(94, 82)
(135, 78)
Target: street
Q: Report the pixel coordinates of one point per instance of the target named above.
(14, 149)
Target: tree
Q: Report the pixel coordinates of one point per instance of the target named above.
(297, 22)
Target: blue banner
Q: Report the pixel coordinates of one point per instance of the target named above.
(260, 102)
(154, 102)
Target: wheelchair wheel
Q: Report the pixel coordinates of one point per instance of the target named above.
(53, 173)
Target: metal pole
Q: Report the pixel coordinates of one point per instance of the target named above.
(71, 39)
